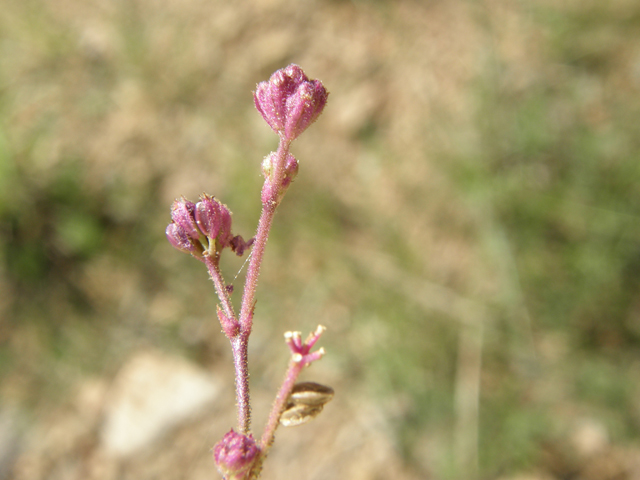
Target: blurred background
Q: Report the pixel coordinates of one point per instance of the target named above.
(465, 223)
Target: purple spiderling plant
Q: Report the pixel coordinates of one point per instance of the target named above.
(289, 102)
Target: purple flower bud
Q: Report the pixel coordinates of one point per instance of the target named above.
(290, 102)
(268, 194)
(235, 454)
(270, 102)
(182, 213)
(180, 240)
(268, 165)
(224, 235)
(268, 169)
(208, 216)
(290, 170)
(304, 107)
(238, 244)
(230, 327)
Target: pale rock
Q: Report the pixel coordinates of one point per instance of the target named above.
(590, 437)
(10, 438)
(152, 394)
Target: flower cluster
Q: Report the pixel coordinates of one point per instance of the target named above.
(290, 102)
(235, 454)
(203, 228)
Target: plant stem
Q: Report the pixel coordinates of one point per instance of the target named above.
(240, 343)
(279, 404)
(239, 346)
(260, 242)
(274, 417)
(218, 282)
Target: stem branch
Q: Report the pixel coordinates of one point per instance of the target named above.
(279, 404)
(218, 282)
(240, 343)
(260, 242)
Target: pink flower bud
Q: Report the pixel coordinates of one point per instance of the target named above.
(290, 102)
(268, 165)
(235, 454)
(304, 107)
(180, 240)
(268, 193)
(268, 169)
(208, 216)
(230, 327)
(182, 213)
(290, 170)
(224, 235)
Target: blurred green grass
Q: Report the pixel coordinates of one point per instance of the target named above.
(511, 200)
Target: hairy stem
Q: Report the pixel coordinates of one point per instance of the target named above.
(260, 242)
(218, 282)
(279, 404)
(239, 345)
